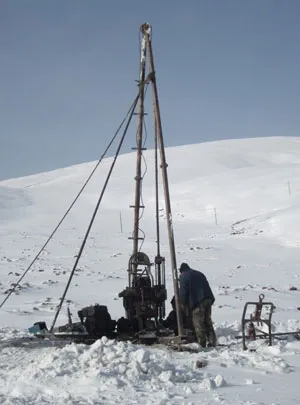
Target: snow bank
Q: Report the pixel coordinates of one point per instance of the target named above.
(113, 363)
(80, 374)
(104, 368)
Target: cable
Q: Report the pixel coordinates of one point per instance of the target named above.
(145, 128)
(132, 107)
(145, 171)
(141, 193)
(95, 212)
(140, 248)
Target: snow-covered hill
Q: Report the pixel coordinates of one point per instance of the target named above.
(236, 213)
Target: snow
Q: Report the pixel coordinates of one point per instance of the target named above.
(250, 187)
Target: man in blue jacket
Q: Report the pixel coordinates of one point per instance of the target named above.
(196, 296)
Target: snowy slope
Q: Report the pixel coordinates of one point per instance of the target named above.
(236, 210)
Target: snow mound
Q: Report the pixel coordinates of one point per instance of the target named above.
(262, 359)
(112, 363)
(100, 370)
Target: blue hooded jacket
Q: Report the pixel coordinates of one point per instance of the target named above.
(194, 288)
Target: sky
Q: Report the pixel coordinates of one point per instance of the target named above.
(225, 69)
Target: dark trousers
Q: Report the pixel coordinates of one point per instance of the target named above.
(203, 325)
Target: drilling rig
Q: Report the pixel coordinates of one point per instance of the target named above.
(144, 298)
(145, 295)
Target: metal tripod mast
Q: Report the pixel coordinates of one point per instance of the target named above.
(146, 32)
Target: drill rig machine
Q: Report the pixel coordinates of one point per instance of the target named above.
(145, 295)
(144, 298)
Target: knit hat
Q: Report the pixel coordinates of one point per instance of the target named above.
(184, 267)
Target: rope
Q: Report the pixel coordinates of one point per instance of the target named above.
(95, 212)
(71, 206)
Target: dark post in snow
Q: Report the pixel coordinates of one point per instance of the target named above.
(289, 187)
(216, 219)
(121, 225)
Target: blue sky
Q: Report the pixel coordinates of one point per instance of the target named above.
(225, 69)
